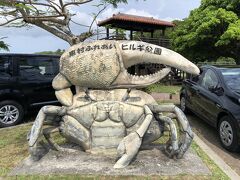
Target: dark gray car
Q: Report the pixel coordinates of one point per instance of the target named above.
(214, 96)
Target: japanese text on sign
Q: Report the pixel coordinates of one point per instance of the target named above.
(90, 48)
(142, 47)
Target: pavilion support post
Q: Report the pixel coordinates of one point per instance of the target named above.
(163, 32)
(107, 32)
(152, 32)
(131, 35)
(116, 33)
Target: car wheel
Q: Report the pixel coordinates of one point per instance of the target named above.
(11, 113)
(227, 132)
(183, 106)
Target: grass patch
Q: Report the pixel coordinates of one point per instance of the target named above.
(160, 88)
(13, 149)
(217, 173)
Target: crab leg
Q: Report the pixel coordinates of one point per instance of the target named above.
(36, 130)
(173, 141)
(187, 135)
(130, 145)
(47, 132)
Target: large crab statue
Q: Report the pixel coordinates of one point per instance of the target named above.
(107, 115)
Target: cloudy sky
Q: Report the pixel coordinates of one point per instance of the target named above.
(23, 40)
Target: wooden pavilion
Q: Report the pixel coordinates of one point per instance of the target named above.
(140, 24)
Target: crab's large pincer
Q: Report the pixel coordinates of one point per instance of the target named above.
(127, 149)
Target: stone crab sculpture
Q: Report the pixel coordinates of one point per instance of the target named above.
(106, 114)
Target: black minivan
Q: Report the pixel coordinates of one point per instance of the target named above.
(25, 82)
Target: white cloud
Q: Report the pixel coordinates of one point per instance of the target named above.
(109, 12)
(170, 19)
(27, 44)
(82, 18)
(140, 13)
(160, 5)
(30, 31)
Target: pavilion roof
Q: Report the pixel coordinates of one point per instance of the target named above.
(133, 22)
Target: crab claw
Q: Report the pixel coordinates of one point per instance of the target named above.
(107, 65)
(127, 149)
(141, 53)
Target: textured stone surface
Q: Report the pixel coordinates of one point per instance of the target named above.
(104, 118)
(64, 96)
(147, 162)
(93, 64)
(107, 134)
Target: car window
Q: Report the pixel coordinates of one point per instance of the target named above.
(38, 68)
(5, 67)
(232, 78)
(209, 80)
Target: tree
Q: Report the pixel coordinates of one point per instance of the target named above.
(57, 52)
(211, 31)
(53, 16)
(3, 45)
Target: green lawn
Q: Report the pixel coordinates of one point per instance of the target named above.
(13, 149)
(160, 88)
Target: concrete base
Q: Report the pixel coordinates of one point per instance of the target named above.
(148, 162)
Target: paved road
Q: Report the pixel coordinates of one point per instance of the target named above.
(209, 135)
